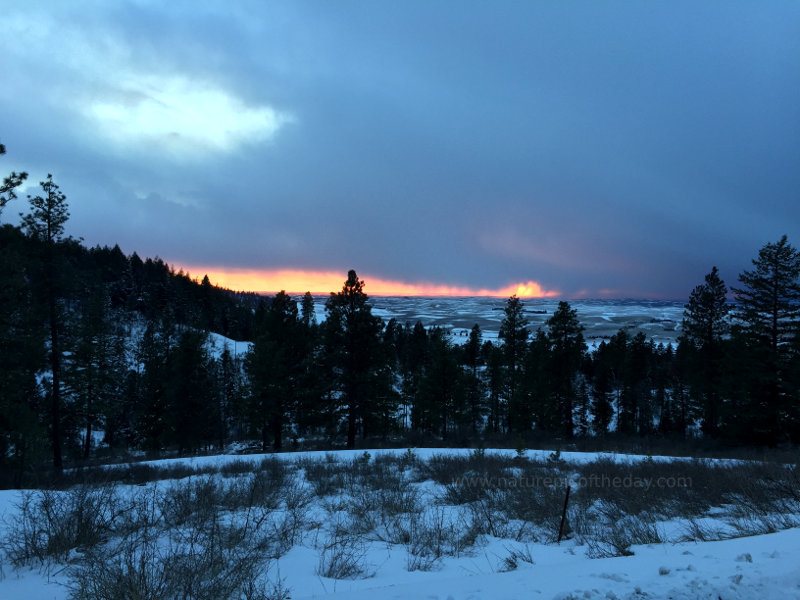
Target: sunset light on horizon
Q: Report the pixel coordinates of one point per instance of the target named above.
(299, 281)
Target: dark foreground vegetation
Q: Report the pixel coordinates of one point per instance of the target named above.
(102, 354)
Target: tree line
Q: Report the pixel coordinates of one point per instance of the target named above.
(103, 352)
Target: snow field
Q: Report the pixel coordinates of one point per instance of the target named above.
(419, 524)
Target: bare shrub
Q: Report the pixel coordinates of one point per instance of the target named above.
(236, 467)
(326, 478)
(446, 469)
(396, 529)
(541, 504)
(363, 508)
(514, 557)
(276, 590)
(760, 524)
(193, 502)
(280, 530)
(489, 515)
(633, 486)
(398, 500)
(132, 568)
(617, 538)
(50, 524)
(433, 535)
(343, 557)
(216, 561)
(695, 530)
(260, 489)
(465, 491)
(140, 473)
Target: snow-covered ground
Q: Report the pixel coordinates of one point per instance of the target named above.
(493, 568)
(217, 344)
(766, 566)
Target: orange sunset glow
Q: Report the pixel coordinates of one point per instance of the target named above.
(323, 282)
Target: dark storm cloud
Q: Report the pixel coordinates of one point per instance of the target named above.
(588, 146)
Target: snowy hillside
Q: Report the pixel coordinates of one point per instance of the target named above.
(407, 524)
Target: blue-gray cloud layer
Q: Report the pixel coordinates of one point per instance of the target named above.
(589, 146)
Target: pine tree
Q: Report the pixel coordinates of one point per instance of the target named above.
(209, 313)
(514, 333)
(45, 223)
(10, 183)
(354, 339)
(704, 317)
(276, 365)
(441, 396)
(23, 437)
(188, 394)
(96, 368)
(149, 388)
(567, 349)
(413, 359)
(637, 401)
(474, 388)
(601, 405)
(704, 325)
(307, 313)
(769, 301)
(769, 310)
(228, 393)
(494, 358)
(539, 385)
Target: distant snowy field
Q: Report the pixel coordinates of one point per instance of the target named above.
(509, 562)
(658, 319)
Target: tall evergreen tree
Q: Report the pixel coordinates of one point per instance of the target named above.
(276, 365)
(474, 388)
(704, 317)
(567, 349)
(769, 310)
(637, 411)
(23, 439)
(307, 312)
(227, 388)
(189, 390)
(539, 386)
(601, 404)
(413, 361)
(514, 333)
(769, 299)
(494, 358)
(440, 401)
(45, 222)
(97, 366)
(704, 325)
(354, 338)
(150, 385)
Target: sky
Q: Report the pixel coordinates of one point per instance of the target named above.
(567, 149)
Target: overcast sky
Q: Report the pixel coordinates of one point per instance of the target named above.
(594, 148)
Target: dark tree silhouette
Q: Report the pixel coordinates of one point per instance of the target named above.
(45, 223)
(514, 333)
(567, 348)
(704, 325)
(354, 339)
(10, 183)
(769, 310)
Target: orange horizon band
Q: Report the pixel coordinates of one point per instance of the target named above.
(297, 281)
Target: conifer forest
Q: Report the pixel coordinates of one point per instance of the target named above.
(105, 353)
